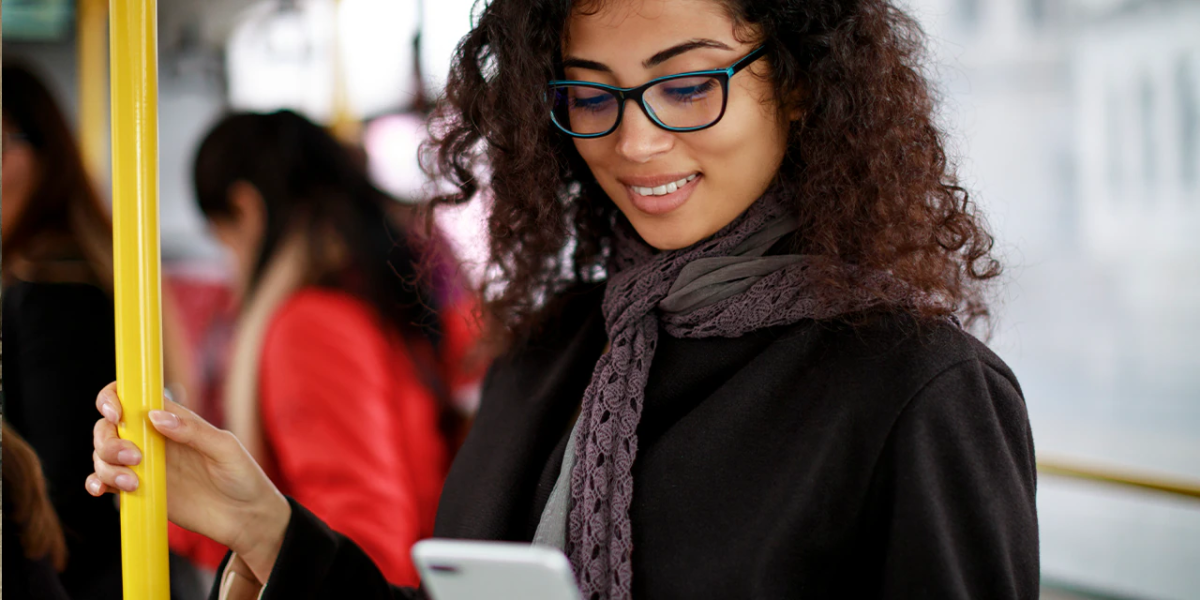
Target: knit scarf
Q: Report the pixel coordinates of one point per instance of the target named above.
(723, 286)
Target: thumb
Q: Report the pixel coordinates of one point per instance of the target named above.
(181, 425)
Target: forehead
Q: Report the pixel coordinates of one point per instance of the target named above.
(612, 30)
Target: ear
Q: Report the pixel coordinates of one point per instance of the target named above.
(249, 210)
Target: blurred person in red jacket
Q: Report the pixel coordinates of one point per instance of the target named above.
(348, 355)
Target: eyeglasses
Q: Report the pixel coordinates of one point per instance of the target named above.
(681, 102)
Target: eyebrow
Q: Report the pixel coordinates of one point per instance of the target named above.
(651, 62)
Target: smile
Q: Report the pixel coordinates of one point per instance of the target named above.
(663, 190)
(661, 198)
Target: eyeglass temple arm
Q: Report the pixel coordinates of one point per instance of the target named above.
(746, 60)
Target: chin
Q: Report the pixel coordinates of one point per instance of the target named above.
(662, 236)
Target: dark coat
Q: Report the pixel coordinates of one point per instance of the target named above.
(59, 351)
(886, 459)
(26, 578)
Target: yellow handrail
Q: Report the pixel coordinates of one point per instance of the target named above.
(1076, 469)
(344, 124)
(90, 66)
(134, 85)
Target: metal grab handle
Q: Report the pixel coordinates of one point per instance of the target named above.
(1128, 478)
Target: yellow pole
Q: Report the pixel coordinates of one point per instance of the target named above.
(344, 125)
(90, 65)
(134, 84)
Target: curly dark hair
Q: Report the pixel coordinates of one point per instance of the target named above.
(865, 164)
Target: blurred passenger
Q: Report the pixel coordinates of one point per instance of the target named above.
(344, 369)
(34, 548)
(58, 325)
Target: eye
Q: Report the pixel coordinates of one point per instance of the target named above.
(590, 100)
(689, 90)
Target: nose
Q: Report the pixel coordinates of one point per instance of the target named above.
(639, 140)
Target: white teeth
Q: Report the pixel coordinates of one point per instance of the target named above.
(663, 189)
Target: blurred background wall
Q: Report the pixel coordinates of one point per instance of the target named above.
(1078, 129)
(1076, 124)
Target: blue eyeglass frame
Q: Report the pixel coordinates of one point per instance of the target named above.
(635, 93)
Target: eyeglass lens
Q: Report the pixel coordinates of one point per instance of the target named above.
(682, 103)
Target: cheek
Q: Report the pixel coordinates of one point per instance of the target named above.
(596, 153)
(222, 236)
(245, 258)
(747, 147)
(600, 154)
(238, 263)
(18, 170)
(235, 250)
(17, 179)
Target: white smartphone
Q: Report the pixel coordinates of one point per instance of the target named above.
(472, 570)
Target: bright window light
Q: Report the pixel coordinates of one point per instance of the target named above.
(284, 54)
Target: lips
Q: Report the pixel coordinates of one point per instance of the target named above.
(663, 194)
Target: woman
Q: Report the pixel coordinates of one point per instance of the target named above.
(343, 373)
(725, 236)
(58, 318)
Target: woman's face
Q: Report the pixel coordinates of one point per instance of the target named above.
(729, 165)
(241, 232)
(20, 176)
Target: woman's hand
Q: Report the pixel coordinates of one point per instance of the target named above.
(214, 487)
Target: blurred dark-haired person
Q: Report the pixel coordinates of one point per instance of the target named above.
(58, 328)
(347, 356)
(730, 260)
(34, 548)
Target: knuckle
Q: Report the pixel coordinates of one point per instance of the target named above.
(99, 465)
(105, 392)
(108, 451)
(227, 439)
(105, 470)
(101, 431)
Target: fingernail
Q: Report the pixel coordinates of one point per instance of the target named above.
(110, 413)
(93, 486)
(126, 482)
(164, 419)
(129, 456)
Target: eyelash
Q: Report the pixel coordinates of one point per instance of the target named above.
(695, 90)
